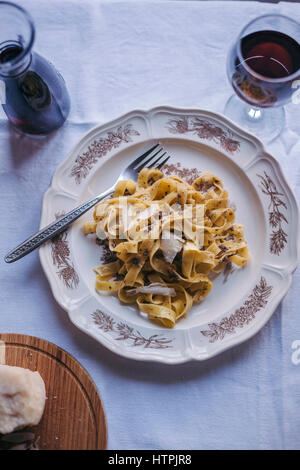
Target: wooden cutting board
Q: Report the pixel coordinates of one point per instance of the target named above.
(74, 416)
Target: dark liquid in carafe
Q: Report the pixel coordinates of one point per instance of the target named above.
(36, 100)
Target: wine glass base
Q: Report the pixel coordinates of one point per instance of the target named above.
(265, 123)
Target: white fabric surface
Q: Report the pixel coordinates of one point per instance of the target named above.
(115, 57)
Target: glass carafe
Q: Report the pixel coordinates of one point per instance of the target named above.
(33, 93)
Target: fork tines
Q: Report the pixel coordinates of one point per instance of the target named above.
(140, 162)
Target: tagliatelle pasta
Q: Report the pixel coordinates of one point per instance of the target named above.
(167, 237)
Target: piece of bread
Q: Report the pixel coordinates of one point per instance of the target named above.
(22, 398)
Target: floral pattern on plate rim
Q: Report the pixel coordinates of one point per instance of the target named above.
(204, 130)
(124, 332)
(256, 301)
(60, 253)
(278, 238)
(99, 148)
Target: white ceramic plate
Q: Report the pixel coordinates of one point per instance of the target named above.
(240, 302)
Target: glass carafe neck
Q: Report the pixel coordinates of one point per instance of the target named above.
(17, 35)
(14, 60)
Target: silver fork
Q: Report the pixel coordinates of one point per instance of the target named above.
(56, 227)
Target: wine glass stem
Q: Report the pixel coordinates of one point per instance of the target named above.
(254, 114)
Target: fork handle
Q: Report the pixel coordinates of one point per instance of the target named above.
(53, 229)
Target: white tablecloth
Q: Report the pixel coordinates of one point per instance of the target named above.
(115, 57)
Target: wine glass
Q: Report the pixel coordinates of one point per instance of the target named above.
(263, 66)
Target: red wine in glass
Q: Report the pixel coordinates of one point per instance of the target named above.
(263, 67)
(271, 53)
(266, 55)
